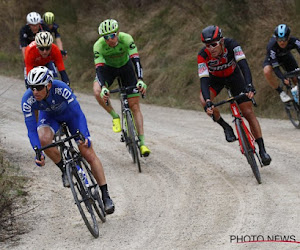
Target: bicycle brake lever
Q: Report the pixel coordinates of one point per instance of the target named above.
(38, 153)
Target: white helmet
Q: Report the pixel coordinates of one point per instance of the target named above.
(40, 75)
(43, 39)
(33, 18)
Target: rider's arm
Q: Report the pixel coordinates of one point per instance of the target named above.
(99, 75)
(137, 65)
(203, 74)
(64, 77)
(204, 84)
(244, 67)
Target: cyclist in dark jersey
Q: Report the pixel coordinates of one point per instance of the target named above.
(279, 54)
(27, 32)
(116, 55)
(222, 62)
(56, 103)
(48, 19)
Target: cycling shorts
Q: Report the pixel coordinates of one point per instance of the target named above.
(235, 82)
(126, 73)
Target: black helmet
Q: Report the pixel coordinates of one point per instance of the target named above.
(282, 31)
(211, 33)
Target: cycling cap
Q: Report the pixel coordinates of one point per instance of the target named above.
(48, 18)
(33, 18)
(43, 39)
(107, 27)
(211, 33)
(282, 31)
(40, 75)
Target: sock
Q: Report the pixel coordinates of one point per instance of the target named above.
(261, 145)
(60, 165)
(279, 90)
(142, 139)
(222, 123)
(114, 114)
(104, 191)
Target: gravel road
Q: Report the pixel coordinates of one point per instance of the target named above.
(196, 190)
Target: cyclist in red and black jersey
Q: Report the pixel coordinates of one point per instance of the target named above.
(222, 62)
(279, 54)
(27, 32)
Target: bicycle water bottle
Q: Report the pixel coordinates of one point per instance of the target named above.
(82, 175)
(295, 93)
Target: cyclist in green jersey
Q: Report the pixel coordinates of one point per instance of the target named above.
(116, 55)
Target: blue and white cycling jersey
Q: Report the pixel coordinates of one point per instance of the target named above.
(61, 105)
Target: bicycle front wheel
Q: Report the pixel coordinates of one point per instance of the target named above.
(82, 200)
(133, 140)
(293, 111)
(248, 150)
(94, 190)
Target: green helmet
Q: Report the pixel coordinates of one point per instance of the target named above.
(107, 27)
(48, 18)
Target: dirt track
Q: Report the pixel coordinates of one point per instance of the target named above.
(195, 192)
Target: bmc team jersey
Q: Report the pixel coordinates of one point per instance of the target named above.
(117, 56)
(33, 57)
(223, 66)
(26, 35)
(61, 105)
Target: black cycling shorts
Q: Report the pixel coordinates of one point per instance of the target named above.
(287, 62)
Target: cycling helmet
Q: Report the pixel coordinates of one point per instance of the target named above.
(43, 39)
(48, 18)
(107, 27)
(33, 18)
(211, 33)
(40, 75)
(282, 31)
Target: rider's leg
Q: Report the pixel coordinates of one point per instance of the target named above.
(229, 134)
(116, 118)
(97, 169)
(248, 113)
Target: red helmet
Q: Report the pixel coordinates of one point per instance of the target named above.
(211, 33)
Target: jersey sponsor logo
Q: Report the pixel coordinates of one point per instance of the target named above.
(202, 69)
(26, 107)
(96, 54)
(31, 100)
(272, 54)
(238, 53)
(63, 92)
(223, 66)
(132, 46)
(297, 43)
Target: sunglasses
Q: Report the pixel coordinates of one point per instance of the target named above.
(37, 87)
(281, 39)
(110, 36)
(44, 48)
(212, 45)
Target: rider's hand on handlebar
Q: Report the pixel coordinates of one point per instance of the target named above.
(209, 107)
(250, 91)
(141, 86)
(104, 94)
(286, 81)
(41, 162)
(86, 143)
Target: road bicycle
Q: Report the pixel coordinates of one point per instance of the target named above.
(129, 131)
(83, 185)
(246, 139)
(292, 108)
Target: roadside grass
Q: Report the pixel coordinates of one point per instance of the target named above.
(12, 195)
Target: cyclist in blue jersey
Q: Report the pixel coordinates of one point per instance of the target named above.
(56, 103)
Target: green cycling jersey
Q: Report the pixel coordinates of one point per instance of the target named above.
(116, 56)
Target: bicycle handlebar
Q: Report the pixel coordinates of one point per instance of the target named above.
(234, 98)
(58, 143)
(293, 73)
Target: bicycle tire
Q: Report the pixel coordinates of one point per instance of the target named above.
(94, 190)
(248, 151)
(133, 140)
(80, 194)
(293, 111)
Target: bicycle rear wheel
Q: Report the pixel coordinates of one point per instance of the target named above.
(293, 111)
(248, 150)
(82, 200)
(94, 190)
(133, 138)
